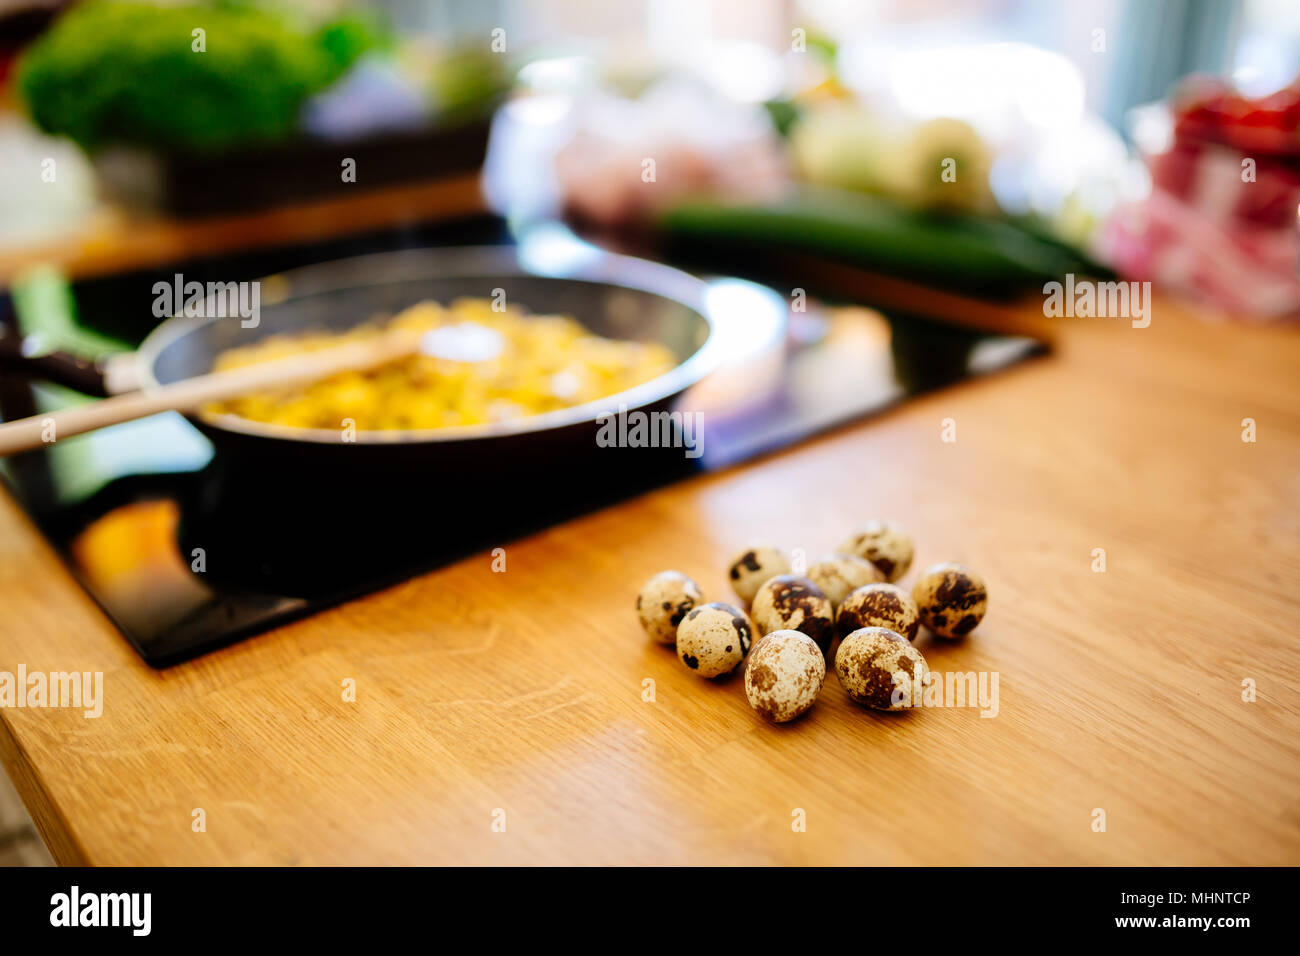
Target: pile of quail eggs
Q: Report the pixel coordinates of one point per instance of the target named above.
(850, 594)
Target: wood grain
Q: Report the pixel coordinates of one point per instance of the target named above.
(523, 690)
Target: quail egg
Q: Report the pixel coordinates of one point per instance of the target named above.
(786, 602)
(713, 638)
(755, 565)
(879, 668)
(784, 675)
(838, 574)
(879, 605)
(884, 544)
(951, 599)
(662, 603)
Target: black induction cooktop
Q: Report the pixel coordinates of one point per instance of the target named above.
(186, 552)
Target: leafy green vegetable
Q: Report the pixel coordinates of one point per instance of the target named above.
(127, 72)
(352, 34)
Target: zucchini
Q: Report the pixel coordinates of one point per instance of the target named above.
(955, 250)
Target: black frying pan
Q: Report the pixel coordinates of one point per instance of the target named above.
(614, 296)
(295, 509)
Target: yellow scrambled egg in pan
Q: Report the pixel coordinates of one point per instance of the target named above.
(537, 363)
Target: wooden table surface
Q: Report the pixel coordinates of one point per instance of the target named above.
(519, 697)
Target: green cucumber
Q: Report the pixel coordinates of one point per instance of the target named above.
(871, 233)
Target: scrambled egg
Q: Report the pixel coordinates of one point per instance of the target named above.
(543, 363)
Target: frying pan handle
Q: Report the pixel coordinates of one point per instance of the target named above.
(63, 368)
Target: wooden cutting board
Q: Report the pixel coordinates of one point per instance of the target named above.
(521, 699)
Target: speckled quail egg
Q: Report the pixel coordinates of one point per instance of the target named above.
(878, 605)
(784, 675)
(713, 638)
(881, 669)
(884, 544)
(755, 565)
(838, 574)
(786, 602)
(951, 599)
(662, 603)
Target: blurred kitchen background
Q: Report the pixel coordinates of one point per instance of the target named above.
(1108, 134)
(981, 147)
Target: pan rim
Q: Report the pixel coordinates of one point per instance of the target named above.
(599, 267)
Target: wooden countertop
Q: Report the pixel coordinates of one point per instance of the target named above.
(523, 691)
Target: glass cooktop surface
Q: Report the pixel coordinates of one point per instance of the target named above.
(187, 550)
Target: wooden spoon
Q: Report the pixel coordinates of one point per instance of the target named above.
(465, 342)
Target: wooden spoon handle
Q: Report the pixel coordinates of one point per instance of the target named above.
(191, 393)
